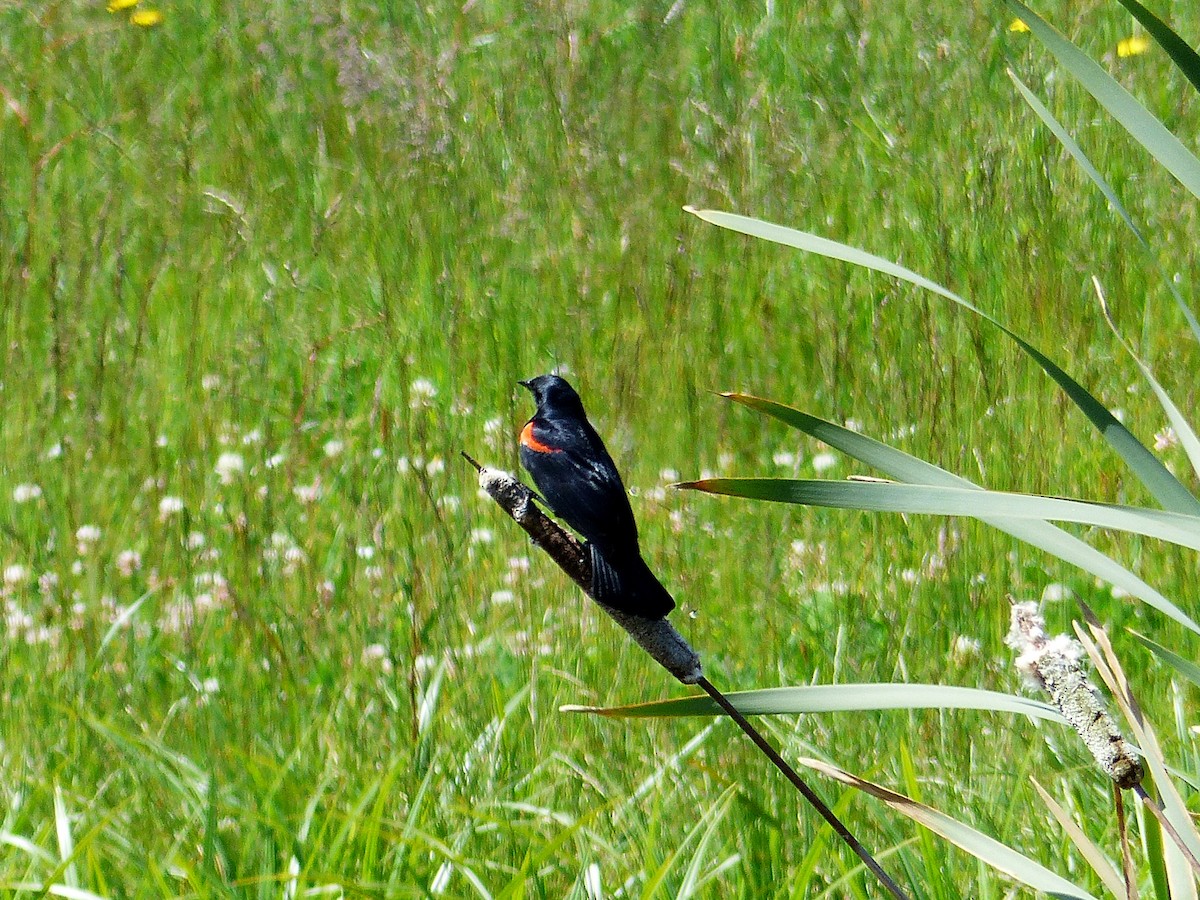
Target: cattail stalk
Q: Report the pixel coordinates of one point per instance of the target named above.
(656, 636)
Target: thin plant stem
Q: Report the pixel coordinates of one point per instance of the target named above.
(802, 786)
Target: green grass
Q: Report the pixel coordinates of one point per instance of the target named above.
(262, 229)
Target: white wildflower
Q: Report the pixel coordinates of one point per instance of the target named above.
(307, 493)
(15, 574)
(169, 506)
(421, 393)
(23, 493)
(965, 648)
(823, 461)
(85, 537)
(1055, 592)
(229, 466)
(128, 562)
(1165, 439)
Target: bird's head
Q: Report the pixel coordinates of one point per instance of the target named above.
(553, 392)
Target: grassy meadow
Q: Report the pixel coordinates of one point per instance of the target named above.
(266, 269)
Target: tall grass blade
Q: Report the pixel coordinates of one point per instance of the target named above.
(66, 841)
(984, 848)
(1183, 428)
(926, 499)
(1106, 189)
(1085, 845)
(905, 467)
(1164, 486)
(1184, 57)
(825, 698)
(1108, 667)
(1184, 667)
(1143, 127)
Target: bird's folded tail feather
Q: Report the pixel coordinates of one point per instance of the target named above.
(629, 586)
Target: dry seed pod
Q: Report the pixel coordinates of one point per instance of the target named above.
(1055, 665)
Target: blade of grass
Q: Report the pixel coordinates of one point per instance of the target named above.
(836, 698)
(1183, 428)
(1184, 57)
(1106, 189)
(987, 849)
(1143, 127)
(1184, 667)
(66, 841)
(1164, 486)
(1085, 845)
(930, 499)
(905, 467)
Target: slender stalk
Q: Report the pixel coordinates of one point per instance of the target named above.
(656, 636)
(1169, 828)
(809, 794)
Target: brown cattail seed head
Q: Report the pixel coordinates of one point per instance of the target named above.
(1055, 665)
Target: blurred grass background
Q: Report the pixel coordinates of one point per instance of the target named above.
(313, 247)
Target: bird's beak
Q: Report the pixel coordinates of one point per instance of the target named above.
(526, 384)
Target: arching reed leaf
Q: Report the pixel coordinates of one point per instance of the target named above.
(1183, 428)
(905, 467)
(1143, 127)
(1086, 846)
(1177, 48)
(835, 698)
(948, 501)
(1184, 667)
(984, 848)
(1164, 486)
(1073, 148)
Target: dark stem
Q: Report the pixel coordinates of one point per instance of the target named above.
(1159, 814)
(809, 794)
(656, 636)
(1126, 856)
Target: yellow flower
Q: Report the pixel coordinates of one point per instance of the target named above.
(1016, 25)
(1132, 46)
(118, 5)
(146, 18)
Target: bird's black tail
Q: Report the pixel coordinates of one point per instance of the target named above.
(627, 584)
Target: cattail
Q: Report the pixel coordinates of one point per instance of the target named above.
(1055, 665)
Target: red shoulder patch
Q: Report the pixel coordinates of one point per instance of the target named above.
(528, 440)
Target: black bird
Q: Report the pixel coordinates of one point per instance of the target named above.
(581, 485)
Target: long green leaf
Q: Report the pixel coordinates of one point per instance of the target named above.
(987, 849)
(1086, 846)
(927, 499)
(1143, 127)
(1164, 486)
(835, 698)
(1183, 428)
(1184, 667)
(1110, 195)
(1177, 48)
(905, 467)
